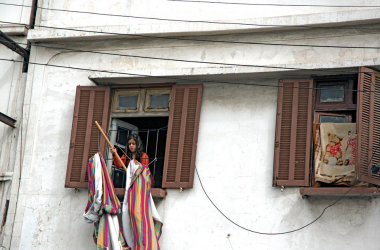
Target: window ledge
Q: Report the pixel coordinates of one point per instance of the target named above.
(313, 191)
(156, 192)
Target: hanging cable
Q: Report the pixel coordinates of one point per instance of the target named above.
(187, 61)
(183, 79)
(282, 5)
(180, 20)
(205, 62)
(201, 40)
(298, 229)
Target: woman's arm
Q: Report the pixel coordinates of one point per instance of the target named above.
(115, 160)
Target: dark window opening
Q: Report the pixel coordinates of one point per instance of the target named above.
(335, 102)
(153, 132)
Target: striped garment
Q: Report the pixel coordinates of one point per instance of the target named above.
(103, 216)
(146, 228)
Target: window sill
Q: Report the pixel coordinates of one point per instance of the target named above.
(156, 192)
(313, 191)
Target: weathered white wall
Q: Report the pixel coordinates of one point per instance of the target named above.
(176, 10)
(234, 156)
(12, 82)
(235, 144)
(16, 14)
(12, 89)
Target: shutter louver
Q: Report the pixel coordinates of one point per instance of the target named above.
(91, 104)
(368, 125)
(181, 145)
(293, 133)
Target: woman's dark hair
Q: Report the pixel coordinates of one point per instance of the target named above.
(139, 144)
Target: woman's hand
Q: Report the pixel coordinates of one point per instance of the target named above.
(113, 151)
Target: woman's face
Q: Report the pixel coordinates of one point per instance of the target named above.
(132, 145)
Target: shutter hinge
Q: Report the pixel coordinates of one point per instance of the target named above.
(72, 145)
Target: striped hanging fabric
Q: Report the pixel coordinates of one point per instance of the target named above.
(146, 224)
(103, 206)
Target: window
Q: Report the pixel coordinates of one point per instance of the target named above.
(334, 117)
(157, 100)
(126, 101)
(182, 118)
(297, 108)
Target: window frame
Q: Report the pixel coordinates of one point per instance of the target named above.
(119, 92)
(318, 114)
(88, 109)
(347, 80)
(152, 91)
(311, 189)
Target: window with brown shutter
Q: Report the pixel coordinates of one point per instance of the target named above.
(293, 133)
(181, 144)
(298, 105)
(368, 125)
(94, 104)
(91, 104)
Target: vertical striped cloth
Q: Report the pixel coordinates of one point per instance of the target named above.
(103, 206)
(143, 223)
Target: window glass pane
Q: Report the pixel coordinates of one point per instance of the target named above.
(159, 101)
(333, 119)
(127, 102)
(334, 93)
(121, 137)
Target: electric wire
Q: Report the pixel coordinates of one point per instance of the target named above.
(273, 44)
(180, 20)
(203, 62)
(282, 5)
(232, 83)
(183, 79)
(183, 60)
(294, 230)
(228, 237)
(291, 231)
(201, 40)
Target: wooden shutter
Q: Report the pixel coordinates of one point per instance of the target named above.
(368, 125)
(91, 104)
(181, 142)
(293, 133)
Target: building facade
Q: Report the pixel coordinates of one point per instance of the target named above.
(236, 70)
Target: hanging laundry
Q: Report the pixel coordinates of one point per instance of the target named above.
(142, 225)
(103, 207)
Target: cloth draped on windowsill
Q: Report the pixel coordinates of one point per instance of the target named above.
(103, 206)
(142, 225)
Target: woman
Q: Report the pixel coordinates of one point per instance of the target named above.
(135, 146)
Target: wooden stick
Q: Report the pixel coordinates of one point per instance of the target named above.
(109, 143)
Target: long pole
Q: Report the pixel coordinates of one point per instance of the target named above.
(109, 143)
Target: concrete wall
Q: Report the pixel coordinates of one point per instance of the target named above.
(12, 90)
(175, 10)
(16, 14)
(234, 156)
(235, 144)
